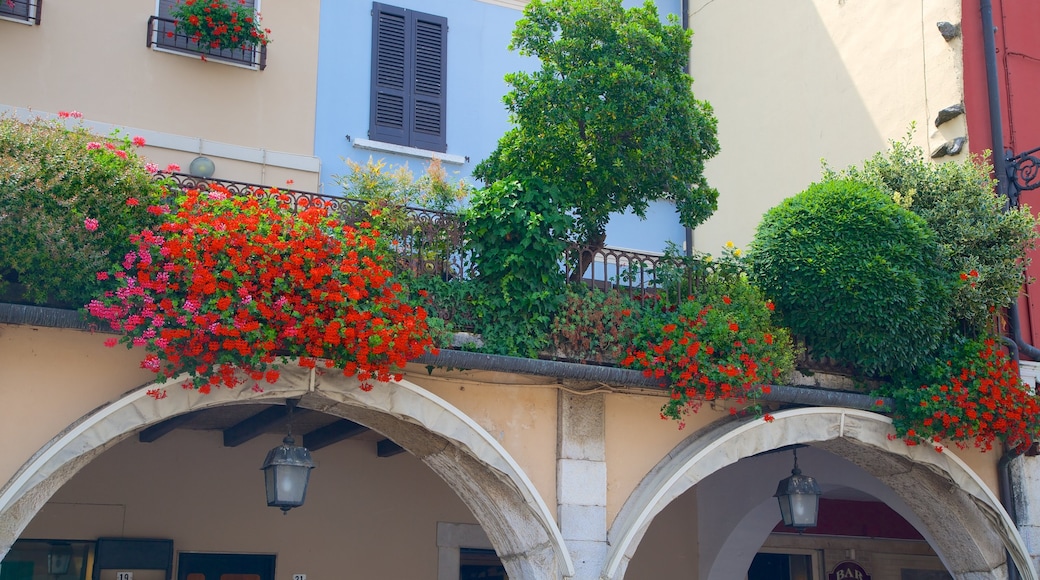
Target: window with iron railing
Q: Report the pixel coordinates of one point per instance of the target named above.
(163, 35)
(25, 11)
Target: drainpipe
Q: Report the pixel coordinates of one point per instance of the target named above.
(996, 122)
(686, 26)
(459, 359)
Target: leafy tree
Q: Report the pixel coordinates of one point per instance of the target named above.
(609, 119)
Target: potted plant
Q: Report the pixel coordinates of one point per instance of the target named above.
(220, 24)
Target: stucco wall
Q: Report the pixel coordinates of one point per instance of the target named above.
(50, 378)
(794, 83)
(365, 516)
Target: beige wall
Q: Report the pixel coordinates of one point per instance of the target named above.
(50, 378)
(796, 82)
(92, 57)
(365, 516)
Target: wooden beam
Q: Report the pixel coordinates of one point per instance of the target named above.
(258, 424)
(332, 433)
(387, 448)
(156, 431)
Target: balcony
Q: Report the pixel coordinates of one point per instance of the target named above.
(435, 245)
(24, 11)
(163, 36)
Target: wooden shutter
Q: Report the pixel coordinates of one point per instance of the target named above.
(428, 82)
(389, 117)
(409, 56)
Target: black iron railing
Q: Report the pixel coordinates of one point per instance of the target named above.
(162, 33)
(433, 242)
(22, 10)
(1023, 174)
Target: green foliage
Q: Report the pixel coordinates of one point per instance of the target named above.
(856, 275)
(52, 180)
(610, 119)
(388, 191)
(679, 275)
(513, 232)
(594, 325)
(974, 232)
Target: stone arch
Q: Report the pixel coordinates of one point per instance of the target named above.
(493, 486)
(969, 529)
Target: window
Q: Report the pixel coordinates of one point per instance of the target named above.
(208, 566)
(409, 64)
(27, 11)
(162, 34)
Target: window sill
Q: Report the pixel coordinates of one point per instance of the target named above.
(18, 19)
(409, 151)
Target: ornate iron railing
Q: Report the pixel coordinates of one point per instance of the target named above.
(22, 10)
(433, 242)
(1023, 173)
(162, 33)
(430, 242)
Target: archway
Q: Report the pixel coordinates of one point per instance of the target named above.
(969, 530)
(495, 489)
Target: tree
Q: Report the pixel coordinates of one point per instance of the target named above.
(609, 119)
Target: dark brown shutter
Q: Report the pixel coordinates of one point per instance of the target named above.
(409, 58)
(431, 50)
(389, 119)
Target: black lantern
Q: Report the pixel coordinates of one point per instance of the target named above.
(59, 557)
(287, 470)
(799, 497)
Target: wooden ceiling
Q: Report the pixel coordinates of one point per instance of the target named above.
(240, 423)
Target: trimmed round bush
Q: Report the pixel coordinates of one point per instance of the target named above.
(855, 275)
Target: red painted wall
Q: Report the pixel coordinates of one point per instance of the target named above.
(868, 519)
(1018, 73)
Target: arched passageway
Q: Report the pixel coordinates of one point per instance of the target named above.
(494, 488)
(936, 492)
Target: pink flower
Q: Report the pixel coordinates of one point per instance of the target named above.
(75, 114)
(151, 168)
(91, 224)
(93, 145)
(111, 342)
(121, 154)
(110, 146)
(102, 275)
(63, 114)
(173, 167)
(138, 140)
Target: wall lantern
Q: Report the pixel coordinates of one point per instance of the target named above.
(287, 470)
(59, 557)
(799, 497)
(202, 167)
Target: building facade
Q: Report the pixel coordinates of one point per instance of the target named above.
(554, 471)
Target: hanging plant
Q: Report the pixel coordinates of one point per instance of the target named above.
(975, 396)
(220, 24)
(233, 283)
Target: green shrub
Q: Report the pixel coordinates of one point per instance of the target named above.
(980, 242)
(856, 275)
(52, 181)
(513, 231)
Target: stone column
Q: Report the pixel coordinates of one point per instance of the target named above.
(1025, 483)
(581, 481)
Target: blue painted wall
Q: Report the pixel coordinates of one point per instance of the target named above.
(478, 34)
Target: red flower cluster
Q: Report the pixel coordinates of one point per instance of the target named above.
(232, 283)
(981, 399)
(721, 348)
(220, 24)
